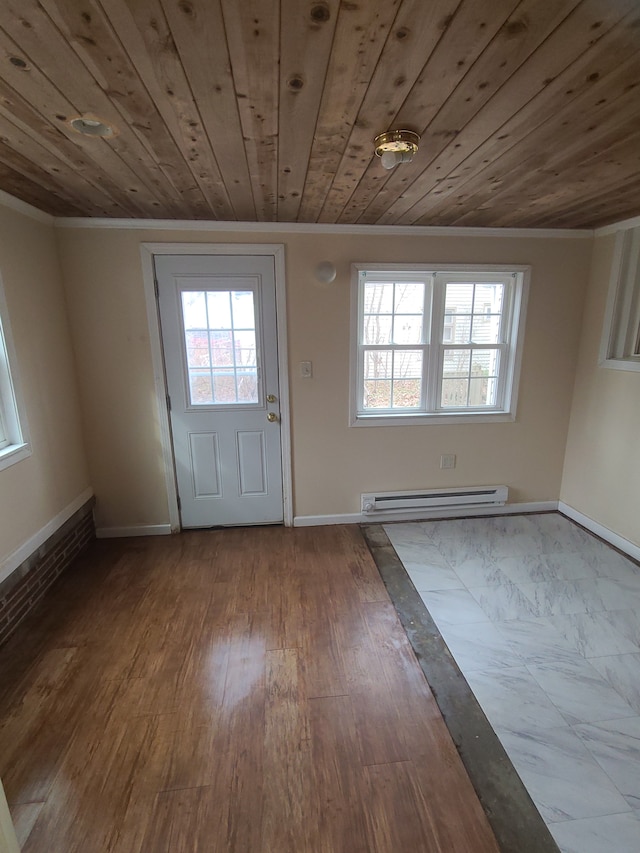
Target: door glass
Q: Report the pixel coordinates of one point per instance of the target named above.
(220, 340)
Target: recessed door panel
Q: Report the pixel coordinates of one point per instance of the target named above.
(205, 464)
(252, 468)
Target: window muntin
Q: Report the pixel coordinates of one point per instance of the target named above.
(392, 334)
(473, 331)
(219, 329)
(436, 343)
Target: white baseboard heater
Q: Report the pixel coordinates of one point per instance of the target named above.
(466, 498)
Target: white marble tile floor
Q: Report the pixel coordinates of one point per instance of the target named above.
(543, 619)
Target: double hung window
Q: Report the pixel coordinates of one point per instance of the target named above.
(436, 343)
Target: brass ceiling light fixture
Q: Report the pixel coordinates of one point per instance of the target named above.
(396, 146)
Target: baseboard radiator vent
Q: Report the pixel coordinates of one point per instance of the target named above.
(431, 499)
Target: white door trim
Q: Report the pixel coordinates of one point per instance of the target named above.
(276, 251)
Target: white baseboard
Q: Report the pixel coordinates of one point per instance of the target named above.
(34, 542)
(600, 530)
(319, 520)
(134, 530)
(423, 515)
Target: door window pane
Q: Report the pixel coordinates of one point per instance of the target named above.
(220, 343)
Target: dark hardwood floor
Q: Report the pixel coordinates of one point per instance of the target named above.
(243, 690)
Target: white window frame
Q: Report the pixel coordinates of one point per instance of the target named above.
(14, 437)
(512, 344)
(620, 342)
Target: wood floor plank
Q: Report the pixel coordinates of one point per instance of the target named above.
(233, 690)
(438, 772)
(35, 732)
(180, 822)
(338, 776)
(289, 818)
(377, 721)
(118, 768)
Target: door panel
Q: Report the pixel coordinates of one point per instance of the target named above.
(252, 463)
(218, 321)
(205, 464)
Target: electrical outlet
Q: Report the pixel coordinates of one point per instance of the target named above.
(448, 460)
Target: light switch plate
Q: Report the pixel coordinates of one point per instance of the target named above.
(306, 370)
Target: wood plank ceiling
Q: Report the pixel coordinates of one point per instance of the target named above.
(265, 110)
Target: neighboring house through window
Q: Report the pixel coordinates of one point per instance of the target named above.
(436, 343)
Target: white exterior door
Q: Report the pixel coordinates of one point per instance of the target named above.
(219, 335)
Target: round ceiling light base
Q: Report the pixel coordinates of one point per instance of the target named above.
(396, 146)
(89, 126)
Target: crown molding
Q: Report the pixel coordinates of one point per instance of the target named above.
(26, 209)
(315, 228)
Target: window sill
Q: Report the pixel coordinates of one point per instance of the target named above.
(14, 453)
(434, 419)
(630, 363)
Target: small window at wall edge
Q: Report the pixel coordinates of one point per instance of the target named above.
(620, 343)
(14, 438)
(426, 391)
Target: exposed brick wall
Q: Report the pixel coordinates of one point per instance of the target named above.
(24, 587)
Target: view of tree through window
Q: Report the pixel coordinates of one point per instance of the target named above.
(393, 314)
(220, 338)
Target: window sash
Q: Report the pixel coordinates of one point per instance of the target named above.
(620, 341)
(4, 440)
(6, 393)
(434, 345)
(14, 443)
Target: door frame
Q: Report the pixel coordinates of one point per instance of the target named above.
(274, 250)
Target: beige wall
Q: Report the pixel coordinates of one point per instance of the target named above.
(35, 490)
(332, 463)
(602, 465)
